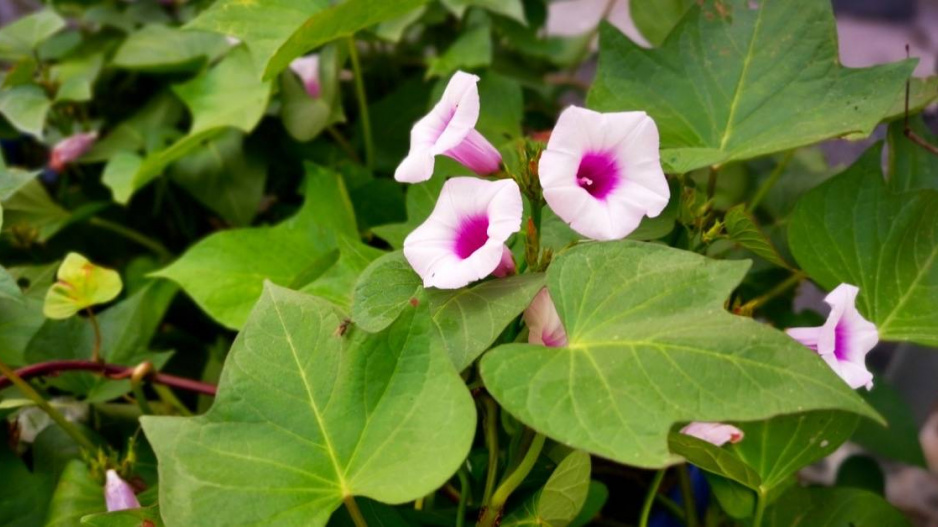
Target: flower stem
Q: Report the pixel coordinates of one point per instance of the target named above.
(490, 422)
(362, 104)
(760, 509)
(770, 181)
(650, 497)
(687, 491)
(493, 510)
(759, 301)
(464, 490)
(96, 349)
(354, 511)
(156, 247)
(44, 405)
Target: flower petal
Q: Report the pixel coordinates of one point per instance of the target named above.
(714, 433)
(118, 494)
(307, 69)
(543, 321)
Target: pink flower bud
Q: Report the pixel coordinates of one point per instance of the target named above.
(70, 149)
(118, 494)
(714, 433)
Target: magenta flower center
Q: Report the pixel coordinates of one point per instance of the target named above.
(471, 235)
(841, 343)
(598, 174)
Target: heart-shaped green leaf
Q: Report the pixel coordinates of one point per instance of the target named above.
(559, 501)
(306, 417)
(80, 284)
(889, 251)
(650, 344)
(731, 82)
(20, 38)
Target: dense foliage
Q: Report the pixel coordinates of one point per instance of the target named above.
(590, 328)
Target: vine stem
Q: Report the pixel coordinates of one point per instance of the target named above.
(362, 103)
(760, 509)
(493, 510)
(759, 301)
(490, 422)
(354, 511)
(156, 247)
(690, 505)
(650, 497)
(108, 370)
(44, 405)
(770, 181)
(464, 490)
(96, 350)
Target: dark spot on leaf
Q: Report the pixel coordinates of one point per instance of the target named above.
(23, 282)
(414, 302)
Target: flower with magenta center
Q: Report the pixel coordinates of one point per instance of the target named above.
(70, 149)
(601, 172)
(307, 69)
(544, 325)
(449, 129)
(714, 433)
(845, 339)
(463, 239)
(118, 494)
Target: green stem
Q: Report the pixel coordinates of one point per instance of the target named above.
(493, 510)
(672, 507)
(464, 490)
(141, 398)
(712, 182)
(158, 248)
(362, 104)
(770, 181)
(44, 405)
(650, 497)
(687, 491)
(490, 422)
(168, 397)
(354, 511)
(343, 143)
(760, 509)
(759, 301)
(96, 348)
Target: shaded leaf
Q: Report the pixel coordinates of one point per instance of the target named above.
(22, 319)
(559, 501)
(30, 213)
(899, 440)
(819, 507)
(19, 38)
(513, 9)
(158, 48)
(8, 288)
(76, 494)
(596, 497)
(742, 229)
(473, 49)
(25, 106)
(911, 167)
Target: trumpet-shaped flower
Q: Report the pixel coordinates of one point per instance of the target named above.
(449, 129)
(307, 69)
(70, 149)
(601, 172)
(845, 339)
(714, 433)
(118, 494)
(544, 325)
(463, 240)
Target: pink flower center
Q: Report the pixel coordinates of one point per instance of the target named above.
(841, 342)
(598, 174)
(471, 235)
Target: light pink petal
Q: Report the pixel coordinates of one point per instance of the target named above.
(438, 250)
(416, 167)
(477, 154)
(70, 149)
(118, 494)
(806, 336)
(307, 69)
(543, 321)
(715, 433)
(506, 267)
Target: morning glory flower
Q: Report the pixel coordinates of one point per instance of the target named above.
(601, 172)
(544, 325)
(449, 129)
(506, 267)
(69, 149)
(307, 69)
(714, 433)
(463, 240)
(845, 339)
(118, 494)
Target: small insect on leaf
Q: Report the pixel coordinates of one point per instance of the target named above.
(80, 284)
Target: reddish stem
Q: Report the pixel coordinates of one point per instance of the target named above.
(108, 370)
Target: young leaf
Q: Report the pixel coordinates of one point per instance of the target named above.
(757, 81)
(383, 290)
(20, 38)
(306, 117)
(80, 284)
(561, 498)
(853, 229)
(25, 106)
(295, 428)
(742, 229)
(833, 506)
(650, 344)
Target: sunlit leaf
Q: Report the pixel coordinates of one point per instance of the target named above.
(25, 106)
(80, 284)
(19, 38)
(557, 503)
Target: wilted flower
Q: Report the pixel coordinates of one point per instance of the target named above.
(845, 339)
(715, 433)
(544, 325)
(307, 69)
(601, 172)
(118, 494)
(70, 149)
(449, 129)
(463, 240)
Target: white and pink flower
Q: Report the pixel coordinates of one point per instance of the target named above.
(714, 433)
(449, 129)
(463, 239)
(845, 339)
(601, 172)
(543, 321)
(70, 149)
(118, 494)
(307, 69)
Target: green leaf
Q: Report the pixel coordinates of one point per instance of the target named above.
(656, 19)
(861, 472)
(224, 178)
(77, 494)
(513, 9)
(76, 76)
(24, 495)
(240, 260)
(741, 228)
(650, 345)
(158, 48)
(80, 284)
(561, 498)
(419, 201)
(911, 167)
(898, 441)
(21, 320)
(8, 288)
(127, 518)
(30, 213)
(473, 49)
(295, 427)
(306, 117)
(755, 81)
(383, 290)
(25, 106)
(20, 38)
(891, 252)
(819, 507)
(144, 132)
(922, 92)
(335, 22)
(227, 96)
(714, 459)
(596, 498)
